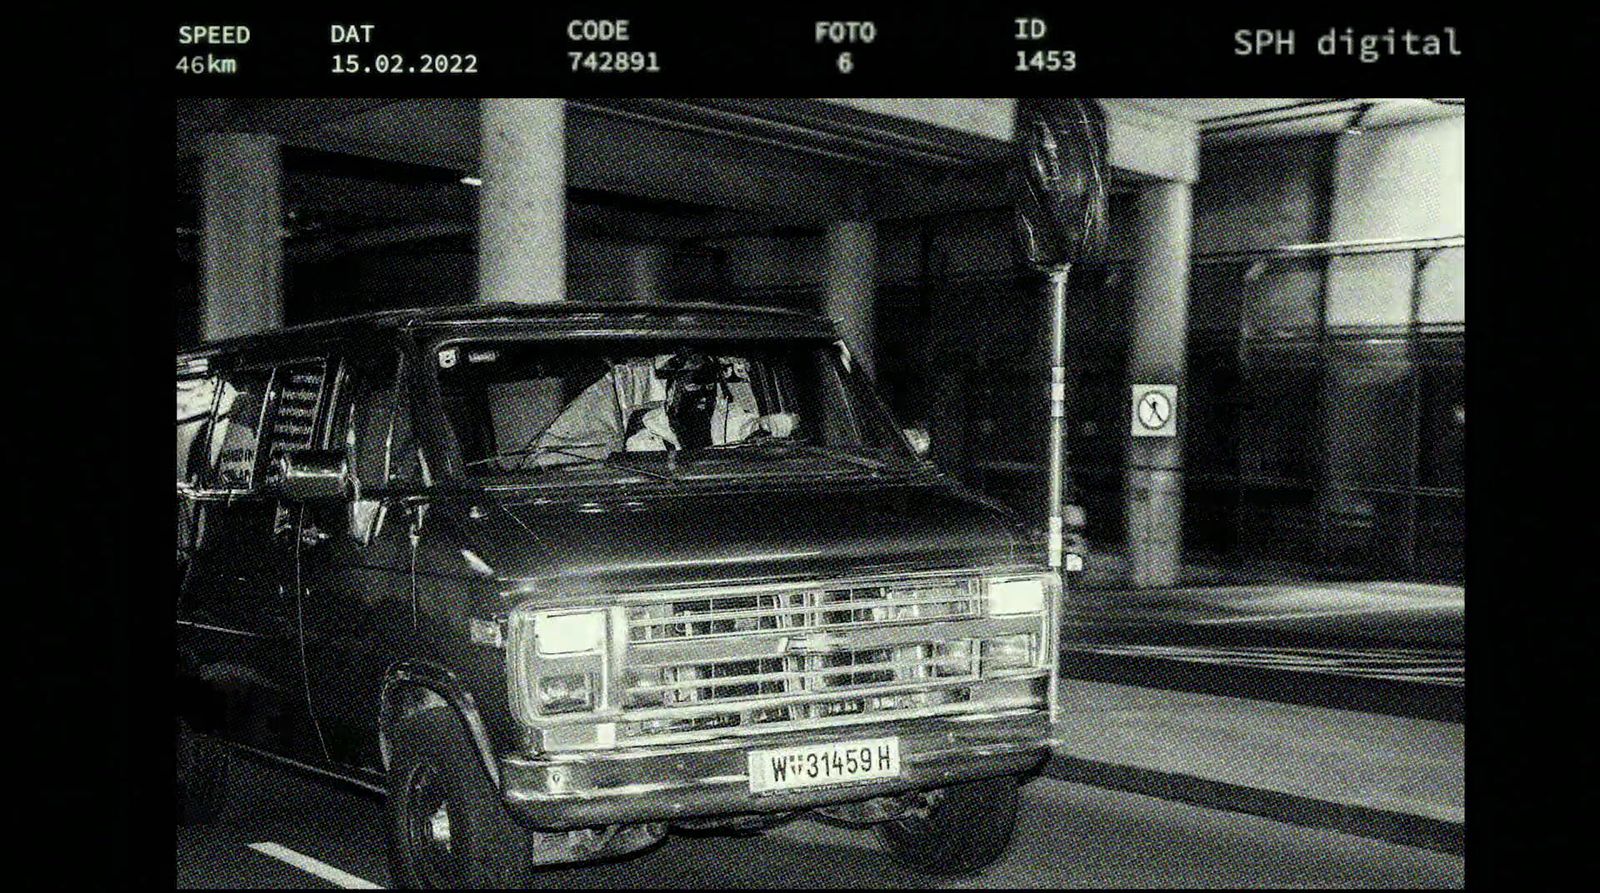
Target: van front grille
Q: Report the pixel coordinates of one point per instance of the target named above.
(738, 657)
(942, 700)
(653, 686)
(831, 607)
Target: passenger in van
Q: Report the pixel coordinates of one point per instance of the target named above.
(685, 400)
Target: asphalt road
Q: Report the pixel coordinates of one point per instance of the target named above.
(1394, 648)
(281, 830)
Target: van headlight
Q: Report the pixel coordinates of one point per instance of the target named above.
(1007, 653)
(557, 661)
(566, 693)
(561, 633)
(1008, 598)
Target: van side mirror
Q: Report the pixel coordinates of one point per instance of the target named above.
(919, 440)
(306, 475)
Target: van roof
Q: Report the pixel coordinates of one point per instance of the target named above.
(562, 317)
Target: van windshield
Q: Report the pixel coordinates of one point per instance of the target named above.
(666, 409)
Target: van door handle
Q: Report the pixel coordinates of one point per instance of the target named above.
(311, 534)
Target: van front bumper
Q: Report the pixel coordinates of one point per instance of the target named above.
(660, 784)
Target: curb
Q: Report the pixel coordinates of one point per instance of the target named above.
(1392, 826)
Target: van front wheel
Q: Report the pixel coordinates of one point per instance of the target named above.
(447, 827)
(958, 830)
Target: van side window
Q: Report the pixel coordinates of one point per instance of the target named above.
(297, 394)
(197, 402)
(385, 451)
(236, 429)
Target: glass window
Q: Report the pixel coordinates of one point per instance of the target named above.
(236, 431)
(1443, 413)
(292, 416)
(1278, 417)
(1211, 436)
(1370, 419)
(1370, 289)
(197, 399)
(1283, 296)
(518, 407)
(1214, 293)
(384, 449)
(1444, 288)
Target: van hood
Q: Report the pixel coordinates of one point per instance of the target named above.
(628, 542)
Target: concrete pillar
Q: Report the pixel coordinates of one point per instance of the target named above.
(241, 236)
(1153, 479)
(650, 272)
(522, 204)
(850, 286)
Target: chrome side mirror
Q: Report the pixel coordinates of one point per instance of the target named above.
(306, 475)
(919, 440)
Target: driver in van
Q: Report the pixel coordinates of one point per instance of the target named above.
(700, 408)
(685, 400)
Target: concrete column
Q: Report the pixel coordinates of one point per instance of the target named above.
(850, 286)
(241, 236)
(522, 204)
(650, 272)
(1153, 480)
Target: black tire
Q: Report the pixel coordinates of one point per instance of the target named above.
(966, 828)
(202, 777)
(435, 771)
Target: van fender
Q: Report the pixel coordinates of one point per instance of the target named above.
(412, 686)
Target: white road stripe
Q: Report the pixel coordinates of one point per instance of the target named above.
(1340, 653)
(1436, 667)
(1453, 682)
(1285, 655)
(1335, 612)
(313, 866)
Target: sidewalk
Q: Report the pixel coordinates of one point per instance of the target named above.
(1388, 777)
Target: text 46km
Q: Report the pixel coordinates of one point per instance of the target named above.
(207, 64)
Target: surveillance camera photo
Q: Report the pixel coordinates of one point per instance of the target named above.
(619, 489)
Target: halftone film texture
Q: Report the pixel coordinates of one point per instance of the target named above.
(1261, 665)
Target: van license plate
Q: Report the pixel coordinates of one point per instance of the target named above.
(815, 765)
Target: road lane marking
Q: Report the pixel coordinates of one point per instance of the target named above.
(1446, 667)
(313, 866)
(1314, 615)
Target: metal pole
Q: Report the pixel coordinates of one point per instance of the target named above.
(1058, 409)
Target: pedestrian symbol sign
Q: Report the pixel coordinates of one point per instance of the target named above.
(1155, 410)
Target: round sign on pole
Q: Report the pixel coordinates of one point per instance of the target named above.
(1155, 410)
(1059, 182)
